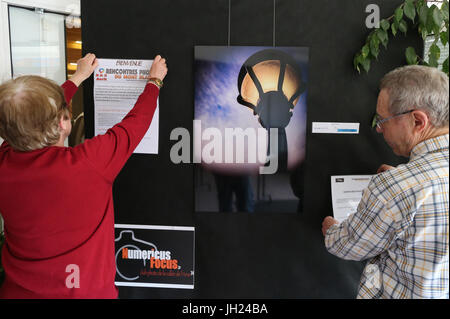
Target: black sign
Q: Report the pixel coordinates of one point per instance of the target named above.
(154, 256)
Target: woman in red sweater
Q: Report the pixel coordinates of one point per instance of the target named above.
(56, 201)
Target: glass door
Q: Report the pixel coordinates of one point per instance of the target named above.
(37, 43)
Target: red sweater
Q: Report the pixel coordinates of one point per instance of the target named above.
(57, 206)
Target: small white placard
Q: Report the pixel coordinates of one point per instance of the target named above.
(335, 128)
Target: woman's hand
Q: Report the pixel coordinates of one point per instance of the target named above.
(85, 67)
(159, 68)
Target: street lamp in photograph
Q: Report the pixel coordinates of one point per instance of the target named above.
(270, 84)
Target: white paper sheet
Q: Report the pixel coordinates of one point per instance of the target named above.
(117, 85)
(346, 193)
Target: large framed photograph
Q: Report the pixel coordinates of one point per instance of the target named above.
(250, 128)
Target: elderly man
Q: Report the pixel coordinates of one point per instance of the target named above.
(401, 223)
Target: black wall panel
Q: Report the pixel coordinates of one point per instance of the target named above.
(242, 255)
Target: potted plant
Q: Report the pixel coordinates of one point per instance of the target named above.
(427, 20)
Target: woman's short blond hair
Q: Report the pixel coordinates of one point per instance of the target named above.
(30, 110)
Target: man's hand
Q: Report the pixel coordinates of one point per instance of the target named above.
(159, 68)
(327, 223)
(384, 167)
(85, 67)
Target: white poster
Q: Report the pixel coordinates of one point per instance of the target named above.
(117, 86)
(346, 193)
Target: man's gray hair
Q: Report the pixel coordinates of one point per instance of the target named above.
(418, 87)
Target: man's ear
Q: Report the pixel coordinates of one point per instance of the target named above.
(421, 120)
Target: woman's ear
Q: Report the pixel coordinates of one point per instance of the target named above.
(61, 123)
(64, 123)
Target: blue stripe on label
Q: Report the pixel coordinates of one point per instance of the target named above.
(347, 130)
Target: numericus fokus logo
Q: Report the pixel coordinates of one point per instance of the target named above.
(138, 258)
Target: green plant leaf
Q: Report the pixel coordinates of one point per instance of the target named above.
(437, 37)
(423, 14)
(356, 62)
(430, 18)
(444, 11)
(403, 26)
(438, 19)
(365, 51)
(422, 24)
(384, 24)
(433, 62)
(394, 28)
(398, 15)
(366, 65)
(423, 32)
(374, 45)
(435, 52)
(410, 10)
(411, 56)
(419, 5)
(444, 37)
(445, 66)
(383, 36)
(385, 42)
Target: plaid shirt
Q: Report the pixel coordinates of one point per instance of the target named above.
(401, 224)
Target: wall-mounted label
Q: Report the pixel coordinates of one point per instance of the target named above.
(335, 128)
(154, 256)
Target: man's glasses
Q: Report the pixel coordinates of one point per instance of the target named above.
(377, 120)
